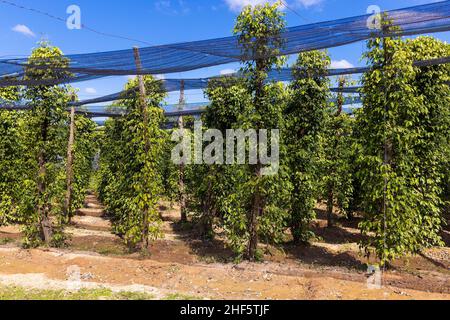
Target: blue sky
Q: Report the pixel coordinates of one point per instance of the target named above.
(161, 22)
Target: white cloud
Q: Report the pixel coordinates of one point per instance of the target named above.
(237, 5)
(309, 3)
(23, 29)
(227, 72)
(173, 8)
(91, 90)
(341, 64)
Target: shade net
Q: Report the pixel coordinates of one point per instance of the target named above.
(284, 75)
(170, 110)
(181, 57)
(171, 85)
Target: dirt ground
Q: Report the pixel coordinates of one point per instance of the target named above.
(330, 268)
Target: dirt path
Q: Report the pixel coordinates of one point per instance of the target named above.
(180, 264)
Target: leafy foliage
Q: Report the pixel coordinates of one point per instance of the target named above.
(11, 166)
(131, 183)
(85, 148)
(401, 140)
(33, 146)
(45, 145)
(305, 118)
(259, 30)
(336, 157)
(390, 161)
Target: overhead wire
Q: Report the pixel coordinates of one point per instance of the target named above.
(83, 26)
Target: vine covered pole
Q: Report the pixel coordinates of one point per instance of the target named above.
(331, 186)
(43, 208)
(387, 145)
(69, 169)
(182, 165)
(143, 103)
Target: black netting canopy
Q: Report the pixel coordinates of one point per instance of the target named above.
(284, 75)
(180, 57)
(170, 110)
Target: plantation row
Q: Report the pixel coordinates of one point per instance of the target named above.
(388, 163)
(33, 155)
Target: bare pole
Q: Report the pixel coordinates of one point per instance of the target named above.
(341, 99)
(142, 95)
(69, 169)
(182, 165)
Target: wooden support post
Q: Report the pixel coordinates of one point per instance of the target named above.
(142, 90)
(182, 165)
(143, 94)
(331, 187)
(43, 207)
(69, 169)
(341, 99)
(387, 140)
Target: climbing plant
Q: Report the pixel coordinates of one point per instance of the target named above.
(431, 83)
(400, 142)
(220, 194)
(335, 161)
(131, 157)
(259, 31)
(9, 155)
(305, 117)
(11, 160)
(85, 148)
(34, 149)
(45, 146)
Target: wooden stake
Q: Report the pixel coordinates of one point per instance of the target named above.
(331, 187)
(341, 98)
(43, 208)
(143, 95)
(181, 177)
(142, 91)
(70, 158)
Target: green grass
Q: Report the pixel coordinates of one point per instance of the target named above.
(17, 293)
(6, 241)
(177, 296)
